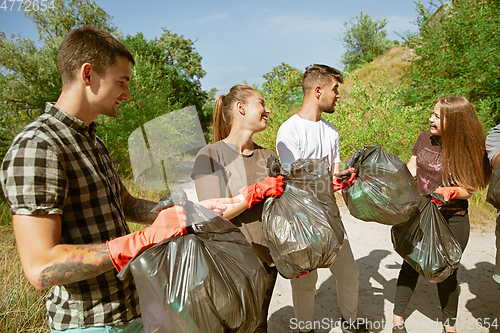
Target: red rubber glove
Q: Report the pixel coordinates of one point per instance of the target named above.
(269, 187)
(448, 194)
(344, 179)
(301, 274)
(170, 222)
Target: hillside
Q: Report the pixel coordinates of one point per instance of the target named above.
(389, 66)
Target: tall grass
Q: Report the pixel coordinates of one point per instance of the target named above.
(481, 213)
(5, 217)
(22, 307)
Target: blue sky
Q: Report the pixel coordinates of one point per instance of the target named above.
(244, 39)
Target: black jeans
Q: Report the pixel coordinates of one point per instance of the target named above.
(448, 290)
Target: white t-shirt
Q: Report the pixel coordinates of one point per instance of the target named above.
(301, 138)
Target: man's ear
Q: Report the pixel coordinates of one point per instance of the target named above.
(317, 91)
(86, 73)
(240, 107)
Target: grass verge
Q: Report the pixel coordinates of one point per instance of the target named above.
(481, 213)
(22, 307)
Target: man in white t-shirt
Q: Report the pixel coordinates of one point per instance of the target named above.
(307, 135)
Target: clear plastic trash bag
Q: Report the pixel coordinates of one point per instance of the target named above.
(208, 281)
(303, 228)
(384, 189)
(493, 194)
(427, 243)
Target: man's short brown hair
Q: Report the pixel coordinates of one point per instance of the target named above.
(89, 45)
(320, 74)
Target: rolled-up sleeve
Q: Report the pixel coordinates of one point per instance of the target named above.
(33, 180)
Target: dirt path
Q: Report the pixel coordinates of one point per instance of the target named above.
(379, 267)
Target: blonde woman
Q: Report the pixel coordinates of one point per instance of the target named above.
(234, 166)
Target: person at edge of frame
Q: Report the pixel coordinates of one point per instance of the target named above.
(493, 150)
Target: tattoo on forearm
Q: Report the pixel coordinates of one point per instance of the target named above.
(81, 263)
(138, 210)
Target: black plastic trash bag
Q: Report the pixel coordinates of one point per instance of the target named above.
(427, 243)
(208, 281)
(384, 189)
(493, 194)
(303, 228)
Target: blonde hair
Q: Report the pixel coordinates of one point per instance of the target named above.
(465, 162)
(223, 110)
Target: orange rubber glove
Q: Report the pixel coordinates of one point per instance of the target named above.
(344, 179)
(448, 194)
(170, 222)
(269, 187)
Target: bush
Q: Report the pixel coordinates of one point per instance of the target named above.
(457, 55)
(282, 93)
(371, 114)
(481, 212)
(166, 77)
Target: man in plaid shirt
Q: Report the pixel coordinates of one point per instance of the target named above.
(69, 206)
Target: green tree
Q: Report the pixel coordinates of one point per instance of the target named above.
(166, 77)
(282, 93)
(207, 114)
(29, 76)
(364, 39)
(55, 23)
(372, 114)
(457, 54)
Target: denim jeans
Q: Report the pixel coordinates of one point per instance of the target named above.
(133, 327)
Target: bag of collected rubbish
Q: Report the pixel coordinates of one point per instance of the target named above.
(427, 243)
(303, 228)
(384, 189)
(208, 281)
(493, 194)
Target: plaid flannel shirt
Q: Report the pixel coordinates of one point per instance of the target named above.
(57, 165)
